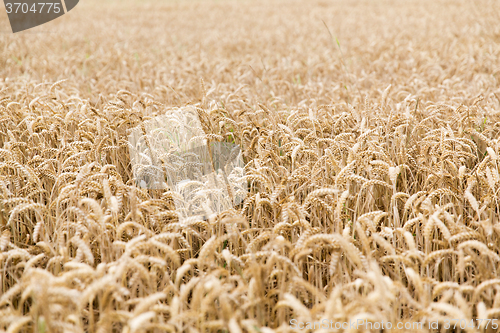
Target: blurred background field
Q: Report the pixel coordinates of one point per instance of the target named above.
(277, 49)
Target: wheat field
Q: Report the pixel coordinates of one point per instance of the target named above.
(370, 133)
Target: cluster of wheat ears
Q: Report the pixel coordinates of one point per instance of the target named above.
(370, 138)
